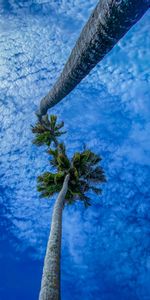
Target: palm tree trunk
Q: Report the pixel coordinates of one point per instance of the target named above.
(108, 23)
(50, 286)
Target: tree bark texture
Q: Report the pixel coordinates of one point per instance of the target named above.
(109, 22)
(50, 285)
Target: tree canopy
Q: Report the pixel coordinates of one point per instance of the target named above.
(84, 168)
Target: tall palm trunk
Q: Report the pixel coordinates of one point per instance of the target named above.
(50, 286)
(108, 23)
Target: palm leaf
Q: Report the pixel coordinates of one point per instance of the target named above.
(96, 190)
(47, 131)
(63, 162)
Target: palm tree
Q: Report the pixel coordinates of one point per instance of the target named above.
(72, 180)
(108, 23)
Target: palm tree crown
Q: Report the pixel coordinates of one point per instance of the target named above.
(47, 131)
(85, 172)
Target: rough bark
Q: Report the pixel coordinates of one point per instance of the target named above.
(50, 285)
(108, 23)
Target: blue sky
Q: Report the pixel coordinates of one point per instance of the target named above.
(105, 248)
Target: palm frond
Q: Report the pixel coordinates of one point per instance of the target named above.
(59, 178)
(96, 190)
(43, 138)
(60, 125)
(63, 162)
(96, 175)
(47, 131)
(49, 183)
(52, 121)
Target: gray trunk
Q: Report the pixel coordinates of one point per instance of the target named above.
(50, 286)
(108, 23)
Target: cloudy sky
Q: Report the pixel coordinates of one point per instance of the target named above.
(105, 248)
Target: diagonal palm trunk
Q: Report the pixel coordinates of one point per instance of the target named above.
(50, 286)
(108, 23)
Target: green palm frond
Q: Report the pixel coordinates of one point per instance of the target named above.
(48, 131)
(54, 155)
(59, 178)
(59, 158)
(96, 190)
(62, 148)
(60, 125)
(87, 167)
(49, 183)
(52, 121)
(96, 175)
(49, 191)
(76, 159)
(43, 138)
(90, 157)
(86, 200)
(38, 128)
(46, 178)
(63, 162)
